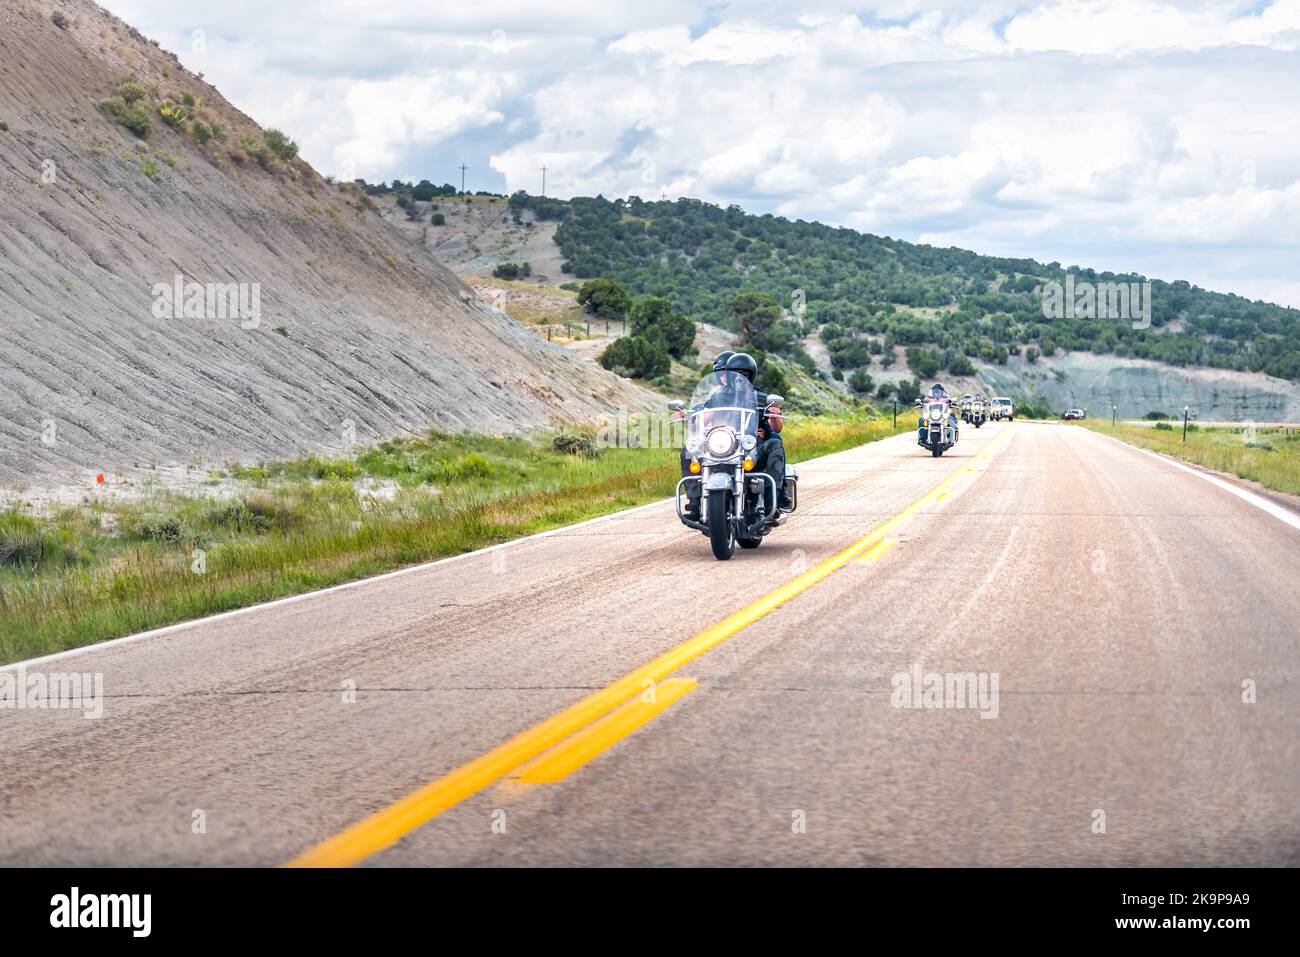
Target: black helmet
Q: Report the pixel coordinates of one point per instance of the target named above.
(743, 363)
(938, 389)
(720, 362)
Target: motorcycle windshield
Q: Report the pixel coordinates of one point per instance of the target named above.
(721, 400)
(936, 410)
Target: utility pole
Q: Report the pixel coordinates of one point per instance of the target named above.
(1185, 411)
(463, 167)
(543, 180)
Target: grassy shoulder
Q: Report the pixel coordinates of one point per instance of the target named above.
(99, 570)
(1269, 456)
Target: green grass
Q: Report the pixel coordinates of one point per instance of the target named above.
(1272, 458)
(89, 573)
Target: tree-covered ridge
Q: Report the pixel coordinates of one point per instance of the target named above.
(858, 287)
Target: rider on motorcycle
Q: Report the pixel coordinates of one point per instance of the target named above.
(769, 456)
(693, 489)
(937, 393)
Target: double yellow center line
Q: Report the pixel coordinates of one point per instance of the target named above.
(582, 730)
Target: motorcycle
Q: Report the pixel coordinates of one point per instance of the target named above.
(977, 414)
(937, 431)
(737, 504)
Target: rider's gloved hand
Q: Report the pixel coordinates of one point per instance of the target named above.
(774, 417)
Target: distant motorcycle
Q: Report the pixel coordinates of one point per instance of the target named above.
(938, 429)
(737, 504)
(978, 416)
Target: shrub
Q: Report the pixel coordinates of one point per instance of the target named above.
(251, 515)
(860, 381)
(256, 150)
(189, 100)
(655, 318)
(636, 357)
(771, 377)
(1164, 427)
(579, 445)
(59, 20)
(605, 298)
(512, 271)
(150, 169)
(281, 145)
(130, 91)
(202, 132)
(131, 117)
(960, 365)
(4, 127)
(924, 362)
(20, 540)
(439, 219)
(471, 465)
(167, 530)
(173, 114)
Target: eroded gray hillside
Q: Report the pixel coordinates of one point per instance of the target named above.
(358, 323)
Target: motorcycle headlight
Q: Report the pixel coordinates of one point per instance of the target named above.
(749, 442)
(721, 443)
(936, 414)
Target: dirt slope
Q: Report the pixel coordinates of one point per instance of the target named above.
(358, 324)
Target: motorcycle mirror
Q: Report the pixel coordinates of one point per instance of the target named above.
(676, 406)
(774, 399)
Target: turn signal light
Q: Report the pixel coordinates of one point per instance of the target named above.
(695, 467)
(749, 465)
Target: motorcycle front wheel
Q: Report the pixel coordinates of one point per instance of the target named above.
(721, 534)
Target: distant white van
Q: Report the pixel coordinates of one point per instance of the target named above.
(1002, 408)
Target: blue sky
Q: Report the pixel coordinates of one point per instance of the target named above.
(1121, 134)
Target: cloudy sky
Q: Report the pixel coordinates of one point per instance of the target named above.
(1161, 136)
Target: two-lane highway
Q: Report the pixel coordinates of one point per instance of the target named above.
(611, 694)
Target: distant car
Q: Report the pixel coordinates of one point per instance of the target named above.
(1073, 414)
(1002, 408)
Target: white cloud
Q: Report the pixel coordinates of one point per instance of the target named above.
(1159, 135)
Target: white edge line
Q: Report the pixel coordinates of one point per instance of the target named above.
(1261, 503)
(304, 596)
(291, 599)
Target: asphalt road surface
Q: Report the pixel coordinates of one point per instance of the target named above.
(612, 695)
